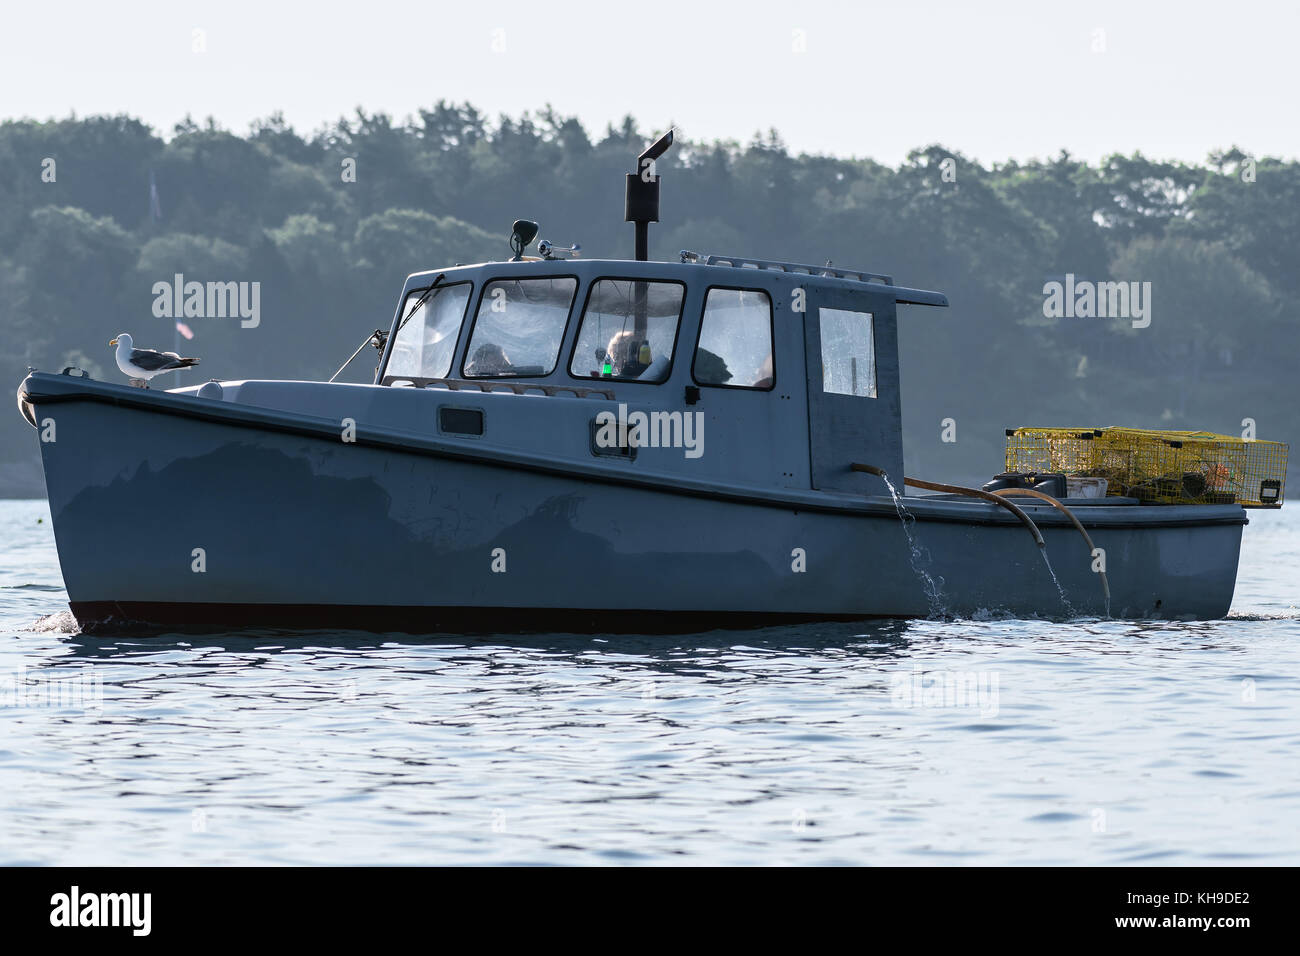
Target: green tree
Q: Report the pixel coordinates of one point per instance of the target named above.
(395, 243)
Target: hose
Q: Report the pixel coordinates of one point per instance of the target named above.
(1031, 493)
(1027, 521)
(956, 490)
(998, 499)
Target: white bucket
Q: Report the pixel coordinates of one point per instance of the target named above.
(1085, 487)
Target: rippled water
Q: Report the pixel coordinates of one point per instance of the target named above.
(1092, 742)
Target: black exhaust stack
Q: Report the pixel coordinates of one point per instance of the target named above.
(641, 199)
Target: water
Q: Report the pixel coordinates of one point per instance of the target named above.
(967, 742)
(1069, 608)
(919, 559)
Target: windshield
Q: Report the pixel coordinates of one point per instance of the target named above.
(519, 327)
(426, 337)
(628, 330)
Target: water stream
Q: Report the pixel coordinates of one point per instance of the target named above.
(933, 591)
(1069, 608)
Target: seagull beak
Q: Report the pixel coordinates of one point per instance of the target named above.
(113, 342)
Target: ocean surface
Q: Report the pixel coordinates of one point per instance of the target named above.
(928, 742)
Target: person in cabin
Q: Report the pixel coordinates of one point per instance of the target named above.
(625, 354)
(488, 359)
(710, 368)
(763, 376)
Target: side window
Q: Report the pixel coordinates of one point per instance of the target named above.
(628, 330)
(519, 327)
(735, 347)
(426, 337)
(848, 352)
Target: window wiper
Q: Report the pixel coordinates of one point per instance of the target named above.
(379, 337)
(415, 308)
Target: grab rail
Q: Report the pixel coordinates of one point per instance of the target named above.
(519, 388)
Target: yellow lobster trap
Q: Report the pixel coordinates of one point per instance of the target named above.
(1160, 467)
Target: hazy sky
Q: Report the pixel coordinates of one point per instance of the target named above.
(993, 80)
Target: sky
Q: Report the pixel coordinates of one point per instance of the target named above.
(994, 80)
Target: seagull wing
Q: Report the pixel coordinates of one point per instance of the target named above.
(151, 360)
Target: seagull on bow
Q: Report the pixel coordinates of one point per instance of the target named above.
(140, 365)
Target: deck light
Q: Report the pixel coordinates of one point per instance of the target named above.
(522, 236)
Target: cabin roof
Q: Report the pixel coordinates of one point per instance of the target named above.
(713, 269)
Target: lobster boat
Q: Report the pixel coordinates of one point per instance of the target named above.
(558, 443)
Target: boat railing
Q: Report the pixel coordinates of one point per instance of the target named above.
(497, 385)
(827, 271)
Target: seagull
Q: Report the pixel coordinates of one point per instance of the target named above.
(140, 365)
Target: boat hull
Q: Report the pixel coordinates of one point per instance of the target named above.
(169, 513)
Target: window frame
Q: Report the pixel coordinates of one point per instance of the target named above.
(771, 333)
(478, 306)
(384, 374)
(582, 316)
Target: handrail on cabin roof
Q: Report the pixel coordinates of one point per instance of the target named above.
(826, 271)
(903, 295)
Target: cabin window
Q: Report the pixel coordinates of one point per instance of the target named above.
(735, 346)
(629, 328)
(848, 352)
(519, 326)
(426, 338)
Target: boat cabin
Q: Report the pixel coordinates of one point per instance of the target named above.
(742, 371)
(721, 369)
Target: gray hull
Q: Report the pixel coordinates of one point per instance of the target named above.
(292, 526)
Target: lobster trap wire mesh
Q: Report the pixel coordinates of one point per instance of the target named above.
(1160, 467)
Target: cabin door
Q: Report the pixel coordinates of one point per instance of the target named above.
(854, 414)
